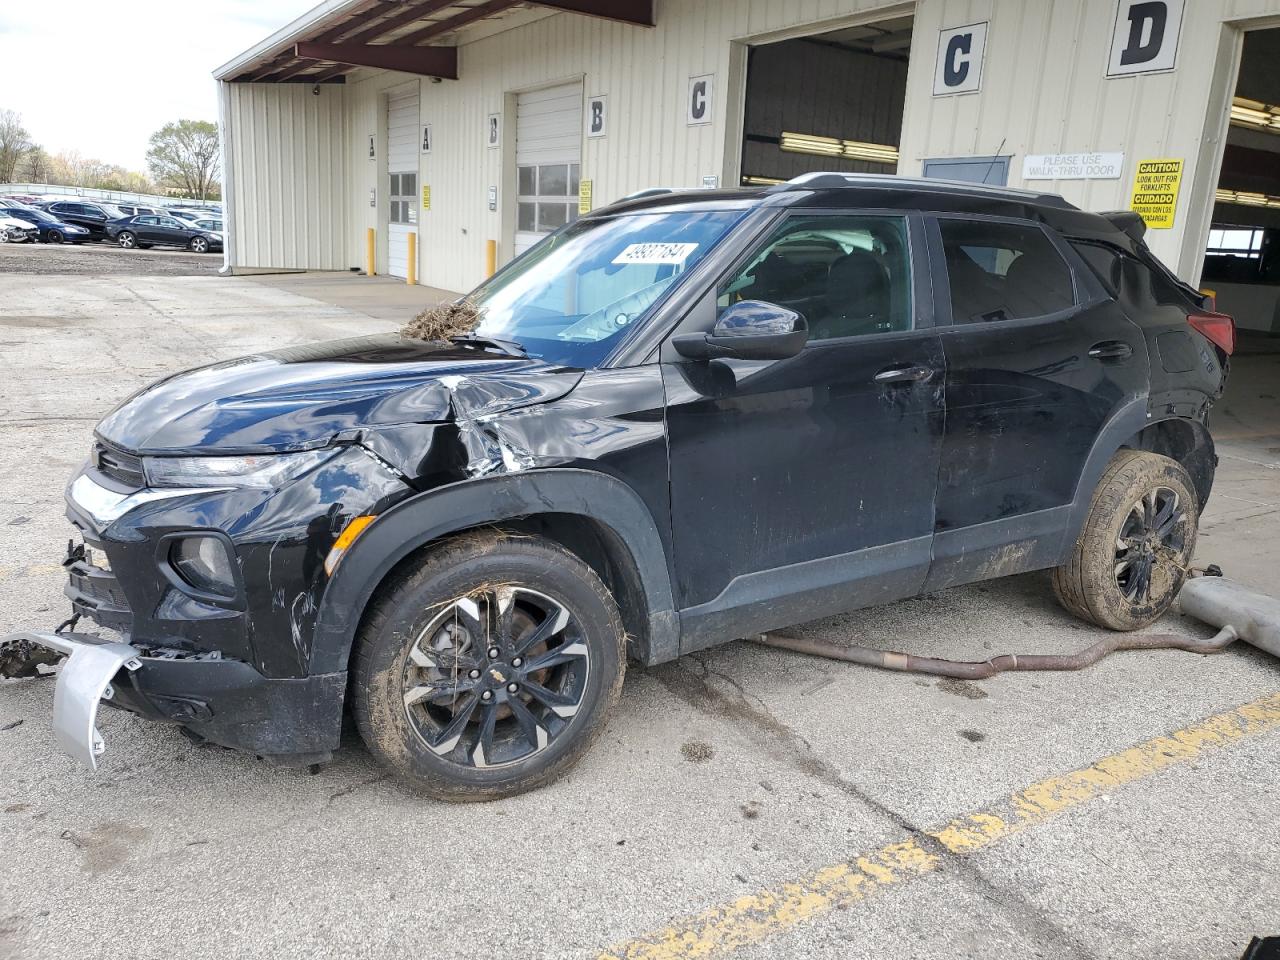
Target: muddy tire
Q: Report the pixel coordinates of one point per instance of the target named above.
(489, 668)
(1131, 558)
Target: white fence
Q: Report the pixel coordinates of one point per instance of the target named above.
(106, 196)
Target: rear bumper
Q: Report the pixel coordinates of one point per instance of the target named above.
(227, 702)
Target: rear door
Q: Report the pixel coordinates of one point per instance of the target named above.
(804, 486)
(1038, 360)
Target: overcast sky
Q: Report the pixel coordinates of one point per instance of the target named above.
(101, 77)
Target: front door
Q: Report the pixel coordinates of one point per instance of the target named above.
(803, 487)
(1036, 365)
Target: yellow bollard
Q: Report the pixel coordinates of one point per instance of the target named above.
(368, 253)
(490, 258)
(411, 275)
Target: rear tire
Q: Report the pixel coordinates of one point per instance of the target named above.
(126, 240)
(1132, 555)
(489, 668)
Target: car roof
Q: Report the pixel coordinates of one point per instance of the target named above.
(826, 190)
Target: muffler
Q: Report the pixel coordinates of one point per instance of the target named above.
(1220, 602)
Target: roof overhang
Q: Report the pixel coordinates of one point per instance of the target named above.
(410, 36)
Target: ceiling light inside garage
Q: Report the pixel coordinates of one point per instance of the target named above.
(761, 181)
(1247, 198)
(1256, 114)
(835, 147)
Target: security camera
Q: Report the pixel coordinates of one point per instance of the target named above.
(437, 80)
(316, 90)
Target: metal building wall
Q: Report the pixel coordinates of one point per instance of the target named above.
(285, 154)
(1045, 90)
(643, 72)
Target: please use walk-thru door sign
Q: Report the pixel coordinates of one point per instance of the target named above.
(1155, 192)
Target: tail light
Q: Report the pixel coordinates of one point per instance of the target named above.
(1218, 327)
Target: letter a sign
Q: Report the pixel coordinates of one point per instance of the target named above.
(959, 67)
(1145, 36)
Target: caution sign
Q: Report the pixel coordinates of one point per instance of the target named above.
(426, 197)
(1155, 192)
(584, 196)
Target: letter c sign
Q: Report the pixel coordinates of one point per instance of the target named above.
(960, 54)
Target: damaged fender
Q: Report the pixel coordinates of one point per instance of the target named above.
(411, 524)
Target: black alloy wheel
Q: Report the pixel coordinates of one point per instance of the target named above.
(488, 681)
(1152, 533)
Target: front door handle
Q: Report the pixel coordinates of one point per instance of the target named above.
(1111, 350)
(915, 373)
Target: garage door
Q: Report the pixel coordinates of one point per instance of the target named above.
(402, 168)
(548, 152)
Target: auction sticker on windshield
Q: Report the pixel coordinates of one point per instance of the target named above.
(673, 253)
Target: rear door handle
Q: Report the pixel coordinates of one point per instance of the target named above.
(1111, 350)
(916, 373)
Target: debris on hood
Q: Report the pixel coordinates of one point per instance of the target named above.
(444, 320)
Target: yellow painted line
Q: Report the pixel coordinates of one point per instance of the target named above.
(759, 916)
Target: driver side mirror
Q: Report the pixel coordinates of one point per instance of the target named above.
(748, 330)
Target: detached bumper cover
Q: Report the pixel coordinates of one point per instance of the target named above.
(83, 683)
(224, 701)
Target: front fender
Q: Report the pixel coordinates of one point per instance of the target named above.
(415, 522)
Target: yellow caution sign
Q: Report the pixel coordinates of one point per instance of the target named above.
(426, 197)
(584, 196)
(1155, 192)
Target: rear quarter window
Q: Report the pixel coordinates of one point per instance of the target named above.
(1003, 271)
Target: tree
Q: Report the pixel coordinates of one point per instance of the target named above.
(36, 166)
(184, 155)
(14, 144)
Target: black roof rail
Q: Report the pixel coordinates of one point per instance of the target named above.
(824, 180)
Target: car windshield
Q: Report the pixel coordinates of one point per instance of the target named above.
(113, 213)
(571, 298)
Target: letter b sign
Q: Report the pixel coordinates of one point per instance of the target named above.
(959, 66)
(1145, 36)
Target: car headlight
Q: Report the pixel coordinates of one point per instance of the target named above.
(264, 471)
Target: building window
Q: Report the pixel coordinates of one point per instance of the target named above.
(404, 198)
(547, 197)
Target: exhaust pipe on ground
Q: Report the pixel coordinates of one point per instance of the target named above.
(1219, 601)
(1237, 611)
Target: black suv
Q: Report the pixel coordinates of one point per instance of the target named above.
(679, 420)
(93, 217)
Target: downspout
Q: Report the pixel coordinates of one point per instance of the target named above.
(228, 179)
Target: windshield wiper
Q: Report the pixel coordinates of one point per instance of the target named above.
(509, 347)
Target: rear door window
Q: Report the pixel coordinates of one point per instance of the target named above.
(1003, 271)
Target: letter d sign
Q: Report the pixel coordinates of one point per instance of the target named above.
(959, 66)
(1145, 36)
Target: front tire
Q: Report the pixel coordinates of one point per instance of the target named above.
(54, 236)
(489, 668)
(1132, 555)
(199, 245)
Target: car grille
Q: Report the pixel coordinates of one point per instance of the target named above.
(93, 590)
(119, 465)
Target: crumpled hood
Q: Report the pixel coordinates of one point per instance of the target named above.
(305, 396)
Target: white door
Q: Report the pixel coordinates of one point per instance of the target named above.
(402, 168)
(548, 154)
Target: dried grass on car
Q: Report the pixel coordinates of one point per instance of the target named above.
(443, 321)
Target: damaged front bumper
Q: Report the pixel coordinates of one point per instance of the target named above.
(223, 701)
(84, 681)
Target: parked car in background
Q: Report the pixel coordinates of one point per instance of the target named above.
(94, 217)
(13, 230)
(151, 229)
(133, 209)
(209, 223)
(49, 228)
